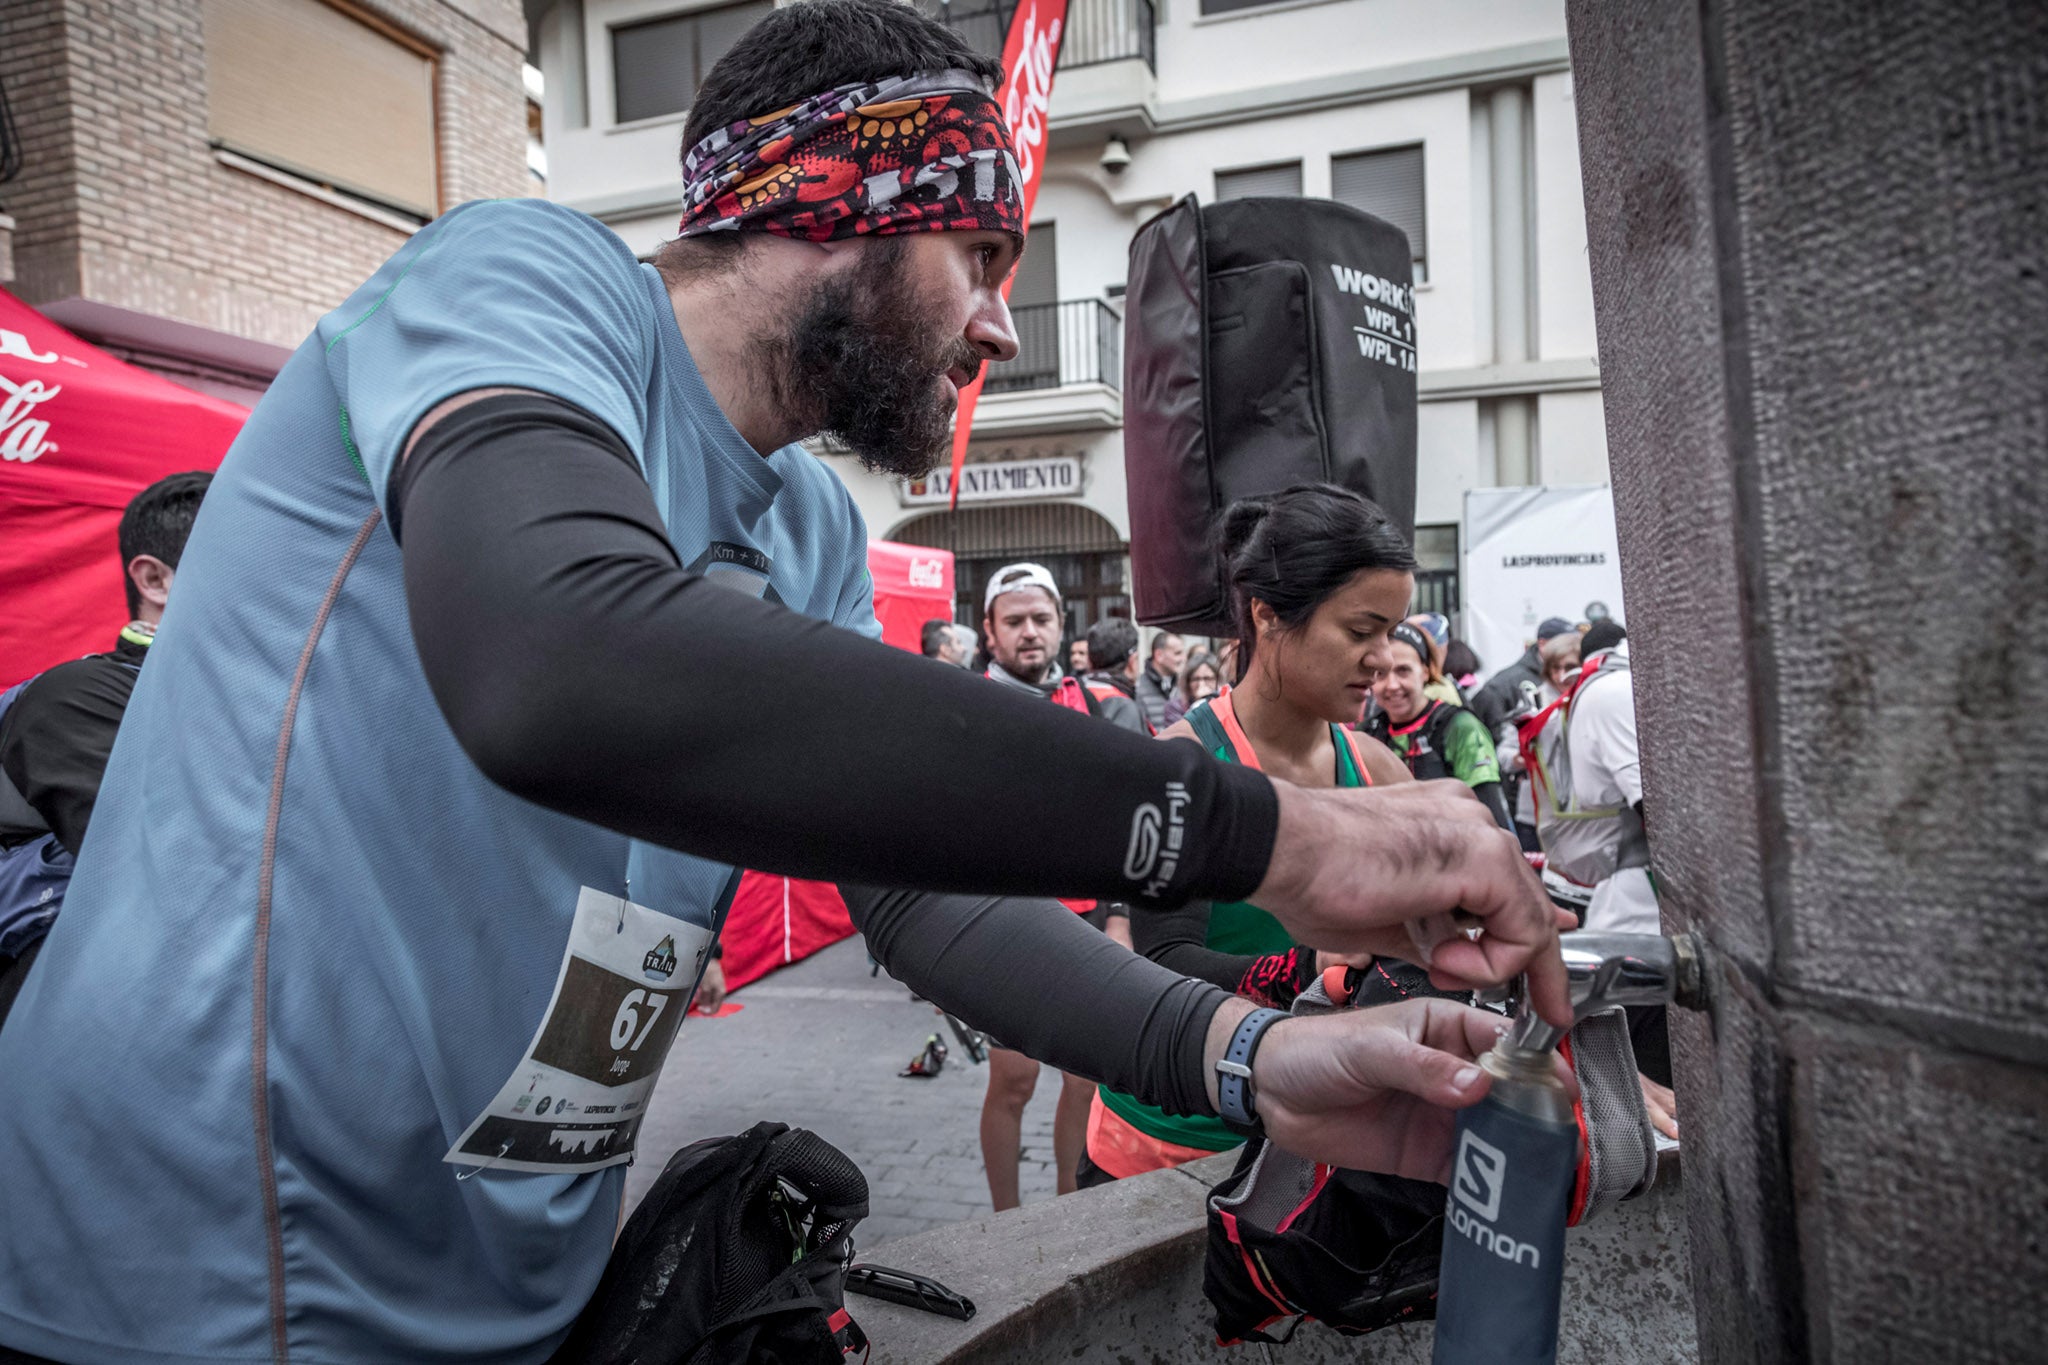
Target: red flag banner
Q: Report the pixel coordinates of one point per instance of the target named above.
(1031, 51)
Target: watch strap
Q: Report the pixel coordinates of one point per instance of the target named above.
(1234, 1098)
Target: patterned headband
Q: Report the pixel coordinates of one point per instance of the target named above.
(909, 154)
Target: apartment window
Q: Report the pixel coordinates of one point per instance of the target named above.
(1436, 571)
(326, 93)
(1387, 184)
(1260, 182)
(658, 65)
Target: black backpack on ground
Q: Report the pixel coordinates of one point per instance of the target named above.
(1267, 342)
(738, 1254)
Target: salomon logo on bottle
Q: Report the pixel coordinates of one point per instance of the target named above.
(1481, 1174)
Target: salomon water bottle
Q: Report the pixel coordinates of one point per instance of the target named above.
(1516, 1156)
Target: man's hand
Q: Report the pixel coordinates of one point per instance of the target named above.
(1663, 1106)
(1352, 867)
(1374, 1089)
(711, 990)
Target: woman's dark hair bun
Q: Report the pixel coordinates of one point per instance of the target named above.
(1240, 520)
(1292, 549)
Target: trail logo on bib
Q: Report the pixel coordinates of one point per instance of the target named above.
(660, 962)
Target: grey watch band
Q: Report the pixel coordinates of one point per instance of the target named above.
(1234, 1100)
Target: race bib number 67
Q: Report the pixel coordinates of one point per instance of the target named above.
(576, 1099)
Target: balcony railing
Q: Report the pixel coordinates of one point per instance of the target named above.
(1097, 30)
(1078, 342)
(1109, 31)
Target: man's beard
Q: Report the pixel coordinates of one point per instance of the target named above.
(865, 360)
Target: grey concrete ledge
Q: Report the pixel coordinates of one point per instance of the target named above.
(1113, 1276)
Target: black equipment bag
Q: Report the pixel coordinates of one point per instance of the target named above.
(1267, 342)
(1290, 1239)
(738, 1254)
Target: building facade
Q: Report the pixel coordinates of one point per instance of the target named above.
(197, 181)
(1453, 119)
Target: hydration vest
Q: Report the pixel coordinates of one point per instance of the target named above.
(1583, 844)
(1425, 734)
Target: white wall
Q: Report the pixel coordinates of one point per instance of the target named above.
(1571, 438)
(1208, 54)
(1564, 277)
(1446, 460)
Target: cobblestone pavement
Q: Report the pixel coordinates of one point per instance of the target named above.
(818, 1046)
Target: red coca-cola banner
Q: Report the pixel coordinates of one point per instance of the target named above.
(1031, 52)
(80, 434)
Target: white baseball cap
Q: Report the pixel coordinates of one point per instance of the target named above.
(1015, 578)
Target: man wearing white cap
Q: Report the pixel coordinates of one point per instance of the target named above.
(1022, 617)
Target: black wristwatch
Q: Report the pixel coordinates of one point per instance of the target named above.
(1234, 1097)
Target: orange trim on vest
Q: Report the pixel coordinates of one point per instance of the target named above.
(1226, 716)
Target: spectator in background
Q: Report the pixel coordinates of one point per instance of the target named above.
(1113, 670)
(1200, 680)
(1436, 628)
(1156, 680)
(1498, 700)
(1606, 776)
(1560, 660)
(969, 644)
(941, 640)
(1462, 666)
(57, 729)
(1512, 691)
(1021, 613)
(1434, 738)
(1077, 656)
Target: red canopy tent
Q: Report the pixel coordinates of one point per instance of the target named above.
(80, 434)
(775, 921)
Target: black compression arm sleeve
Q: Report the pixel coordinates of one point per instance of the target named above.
(583, 669)
(1179, 941)
(1033, 974)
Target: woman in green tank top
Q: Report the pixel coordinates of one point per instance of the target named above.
(1318, 576)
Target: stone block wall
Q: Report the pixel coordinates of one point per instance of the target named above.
(121, 201)
(1821, 282)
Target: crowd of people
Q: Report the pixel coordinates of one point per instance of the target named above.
(1550, 735)
(434, 778)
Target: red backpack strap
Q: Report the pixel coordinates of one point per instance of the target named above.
(1357, 744)
(1226, 716)
(1073, 696)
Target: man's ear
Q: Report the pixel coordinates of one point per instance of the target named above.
(152, 579)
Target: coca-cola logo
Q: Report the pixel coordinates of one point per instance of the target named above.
(23, 435)
(1026, 102)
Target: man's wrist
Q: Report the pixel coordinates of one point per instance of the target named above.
(1237, 841)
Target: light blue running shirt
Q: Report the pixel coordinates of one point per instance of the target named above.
(417, 915)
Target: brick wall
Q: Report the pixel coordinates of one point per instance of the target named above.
(122, 202)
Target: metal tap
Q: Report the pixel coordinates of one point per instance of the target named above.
(1605, 970)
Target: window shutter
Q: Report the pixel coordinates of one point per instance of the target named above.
(1260, 182)
(1387, 184)
(312, 90)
